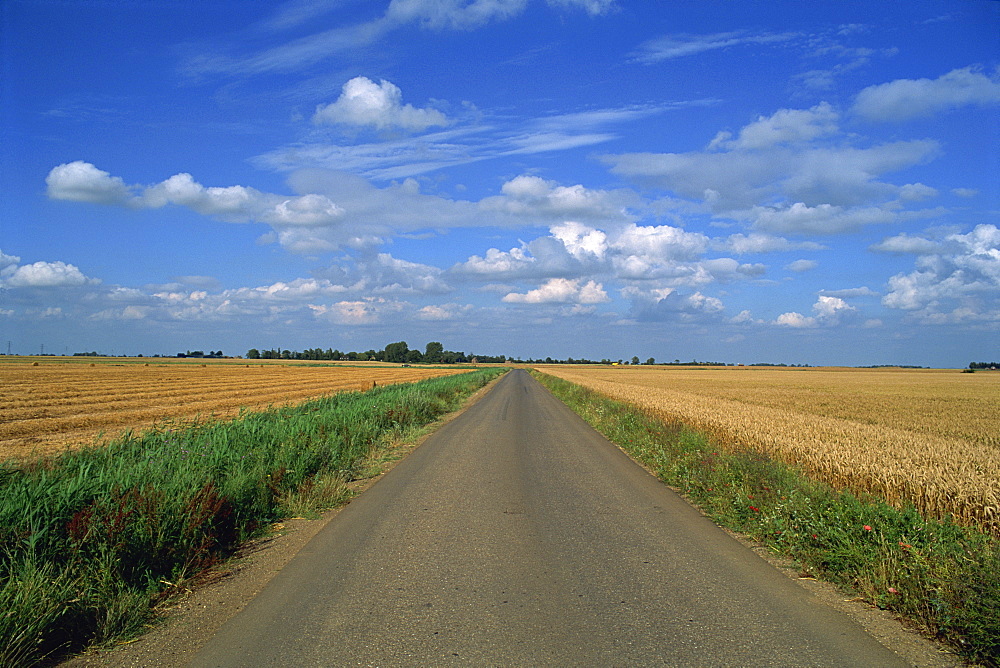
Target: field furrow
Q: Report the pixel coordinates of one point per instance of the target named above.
(871, 432)
(54, 406)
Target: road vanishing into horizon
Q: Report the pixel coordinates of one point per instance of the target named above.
(516, 535)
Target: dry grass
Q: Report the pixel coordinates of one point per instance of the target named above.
(61, 404)
(927, 437)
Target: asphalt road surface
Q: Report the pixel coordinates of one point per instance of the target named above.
(518, 536)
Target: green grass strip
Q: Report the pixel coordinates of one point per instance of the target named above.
(943, 576)
(92, 539)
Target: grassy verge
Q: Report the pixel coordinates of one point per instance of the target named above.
(943, 576)
(90, 541)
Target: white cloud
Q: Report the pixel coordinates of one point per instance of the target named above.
(561, 291)
(821, 219)
(366, 103)
(904, 243)
(955, 280)
(741, 179)
(331, 43)
(442, 312)
(786, 126)
(680, 45)
(389, 275)
(8, 264)
(828, 308)
(795, 320)
(452, 14)
(847, 293)
(964, 192)
(904, 99)
(802, 265)
(533, 198)
(43, 275)
(581, 241)
(81, 181)
(757, 242)
(667, 303)
(358, 312)
(592, 7)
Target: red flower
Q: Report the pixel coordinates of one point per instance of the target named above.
(867, 528)
(755, 509)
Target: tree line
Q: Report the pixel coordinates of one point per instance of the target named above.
(398, 352)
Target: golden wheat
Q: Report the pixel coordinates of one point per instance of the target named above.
(930, 438)
(56, 405)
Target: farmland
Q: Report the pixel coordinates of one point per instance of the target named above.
(926, 437)
(66, 403)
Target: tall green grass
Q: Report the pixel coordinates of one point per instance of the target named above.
(943, 576)
(92, 539)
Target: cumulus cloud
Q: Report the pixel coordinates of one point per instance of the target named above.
(802, 265)
(757, 242)
(828, 308)
(821, 219)
(387, 274)
(379, 105)
(904, 99)
(41, 274)
(666, 303)
(561, 291)
(812, 176)
(8, 264)
(81, 181)
(904, 243)
(795, 320)
(786, 126)
(442, 312)
(531, 197)
(357, 312)
(957, 279)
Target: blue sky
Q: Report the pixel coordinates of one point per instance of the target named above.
(745, 182)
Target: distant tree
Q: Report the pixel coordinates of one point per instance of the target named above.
(433, 352)
(651, 361)
(414, 356)
(396, 352)
(635, 360)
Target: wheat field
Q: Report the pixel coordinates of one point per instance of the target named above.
(926, 437)
(61, 404)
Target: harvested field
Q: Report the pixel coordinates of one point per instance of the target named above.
(58, 405)
(926, 437)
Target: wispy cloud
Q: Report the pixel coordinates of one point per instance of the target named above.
(305, 51)
(472, 136)
(683, 44)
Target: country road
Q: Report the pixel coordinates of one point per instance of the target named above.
(518, 536)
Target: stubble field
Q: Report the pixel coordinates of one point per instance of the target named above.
(926, 437)
(62, 404)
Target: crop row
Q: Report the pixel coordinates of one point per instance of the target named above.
(939, 475)
(47, 408)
